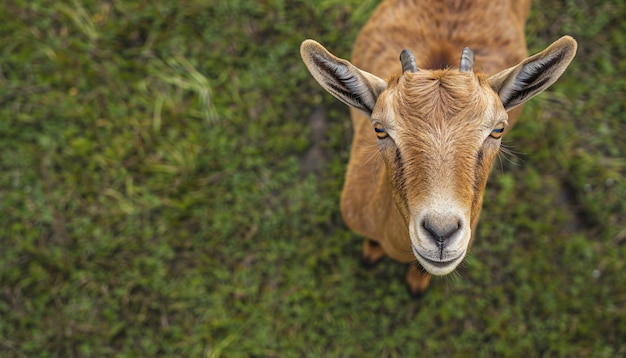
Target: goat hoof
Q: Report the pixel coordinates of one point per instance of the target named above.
(372, 253)
(417, 281)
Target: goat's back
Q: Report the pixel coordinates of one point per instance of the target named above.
(438, 30)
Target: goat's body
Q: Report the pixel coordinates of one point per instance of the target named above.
(436, 31)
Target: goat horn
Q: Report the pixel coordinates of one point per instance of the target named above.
(467, 60)
(408, 61)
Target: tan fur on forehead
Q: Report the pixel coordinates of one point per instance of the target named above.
(441, 95)
(438, 117)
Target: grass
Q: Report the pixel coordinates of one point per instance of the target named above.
(167, 188)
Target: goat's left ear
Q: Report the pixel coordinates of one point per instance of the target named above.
(532, 76)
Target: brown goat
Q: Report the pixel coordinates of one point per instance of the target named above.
(437, 131)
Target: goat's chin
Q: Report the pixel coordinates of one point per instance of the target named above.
(435, 265)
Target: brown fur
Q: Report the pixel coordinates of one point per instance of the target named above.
(439, 103)
(436, 127)
(436, 31)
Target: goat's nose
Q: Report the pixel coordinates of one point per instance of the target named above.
(441, 228)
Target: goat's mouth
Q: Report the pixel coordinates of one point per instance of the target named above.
(438, 267)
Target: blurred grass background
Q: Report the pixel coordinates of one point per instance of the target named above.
(170, 178)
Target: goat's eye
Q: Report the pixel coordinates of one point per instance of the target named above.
(381, 133)
(497, 131)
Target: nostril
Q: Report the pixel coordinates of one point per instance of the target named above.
(441, 230)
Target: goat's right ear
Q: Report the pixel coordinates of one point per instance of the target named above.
(356, 88)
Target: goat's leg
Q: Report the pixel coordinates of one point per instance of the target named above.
(372, 253)
(417, 280)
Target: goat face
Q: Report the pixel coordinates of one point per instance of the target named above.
(438, 133)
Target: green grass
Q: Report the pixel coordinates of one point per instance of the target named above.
(163, 192)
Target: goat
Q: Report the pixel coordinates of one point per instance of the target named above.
(437, 131)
